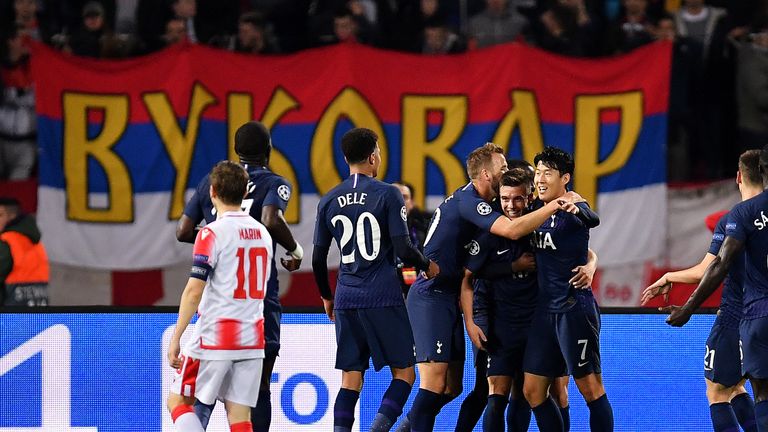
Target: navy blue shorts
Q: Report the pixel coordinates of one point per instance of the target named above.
(506, 349)
(272, 314)
(722, 360)
(381, 334)
(565, 343)
(754, 345)
(438, 328)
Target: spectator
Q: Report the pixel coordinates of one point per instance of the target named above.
(18, 131)
(568, 28)
(175, 32)
(23, 262)
(347, 23)
(187, 10)
(631, 30)
(418, 226)
(752, 89)
(498, 23)
(253, 36)
(406, 29)
(30, 21)
(439, 39)
(348, 27)
(95, 39)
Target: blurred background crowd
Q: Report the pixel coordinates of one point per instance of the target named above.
(719, 79)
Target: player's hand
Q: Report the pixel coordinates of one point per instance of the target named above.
(678, 315)
(432, 271)
(573, 197)
(476, 335)
(328, 306)
(660, 287)
(290, 264)
(582, 277)
(568, 206)
(526, 263)
(174, 349)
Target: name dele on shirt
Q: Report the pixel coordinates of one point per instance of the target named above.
(351, 198)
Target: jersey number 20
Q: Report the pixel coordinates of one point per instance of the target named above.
(257, 272)
(359, 229)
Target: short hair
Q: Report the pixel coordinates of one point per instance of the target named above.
(230, 181)
(521, 164)
(358, 143)
(11, 204)
(253, 18)
(764, 160)
(555, 158)
(749, 167)
(252, 141)
(405, 185)
(518, 177)
(481, 157)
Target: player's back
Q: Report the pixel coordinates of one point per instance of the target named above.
(449, 240)
(561, 244)
(362, 214)
(748, 222)
(239, 250)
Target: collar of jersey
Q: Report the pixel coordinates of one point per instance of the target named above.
(239, 213)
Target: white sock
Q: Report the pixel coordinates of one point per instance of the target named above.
(188, 422)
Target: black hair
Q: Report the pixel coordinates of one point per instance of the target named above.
(523, 165)
(555, 158)
(357, 144)
(12, 204)
(253, 143)
(764, 163)
(253, 18)
(518, 177)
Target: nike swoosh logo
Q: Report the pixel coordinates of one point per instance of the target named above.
(502, 252)
(582, 364)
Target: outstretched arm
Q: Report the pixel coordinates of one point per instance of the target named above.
(713, 277)
(664, 284)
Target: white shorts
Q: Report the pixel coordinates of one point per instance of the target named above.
(207, 380)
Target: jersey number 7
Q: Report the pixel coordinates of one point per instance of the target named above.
(257, 272)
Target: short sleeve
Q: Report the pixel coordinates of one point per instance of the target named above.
(397, 215)
(204, 254)
(194, 208)
(478, 212)
(323, 237)
(737, 225)
(718, 236)
(278, 194)
(478, 252)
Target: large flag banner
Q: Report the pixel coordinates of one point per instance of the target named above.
(124, 142)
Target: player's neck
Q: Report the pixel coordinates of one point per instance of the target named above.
(224, 208)
(254, 162)
(748, 192)
(485, 190)
(357, 169)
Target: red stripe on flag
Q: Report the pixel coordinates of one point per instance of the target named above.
(137, 288)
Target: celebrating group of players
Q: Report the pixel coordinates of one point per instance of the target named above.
(508, 267)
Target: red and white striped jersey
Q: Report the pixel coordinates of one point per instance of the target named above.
(233, 255)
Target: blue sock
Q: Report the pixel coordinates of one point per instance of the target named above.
(494, 414)
(344, 410)
(723, 418)
(548, 417)
(600, 415)
(203, 412)
(565, 413)
(261, 414)
(391, 406)
(471, 411)
(744, 408)
(518, 415)
(425, 407)
(761, 415)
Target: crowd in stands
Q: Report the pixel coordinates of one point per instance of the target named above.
(719, 80)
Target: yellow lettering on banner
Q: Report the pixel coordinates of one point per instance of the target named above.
(179, 145)
(353, 106)
(240, 111)
(79, 147)
(589, 167)
(417, 148)
(524, 114)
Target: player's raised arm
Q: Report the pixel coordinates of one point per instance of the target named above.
(713, 277)
(517, 228)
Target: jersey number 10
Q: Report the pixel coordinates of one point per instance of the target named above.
(257, 272)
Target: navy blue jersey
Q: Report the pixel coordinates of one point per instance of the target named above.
(264, 188)
(363, 214)
(561, 244)
(449, 240)
(513, 298)
(731, 302)
(748, 222)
